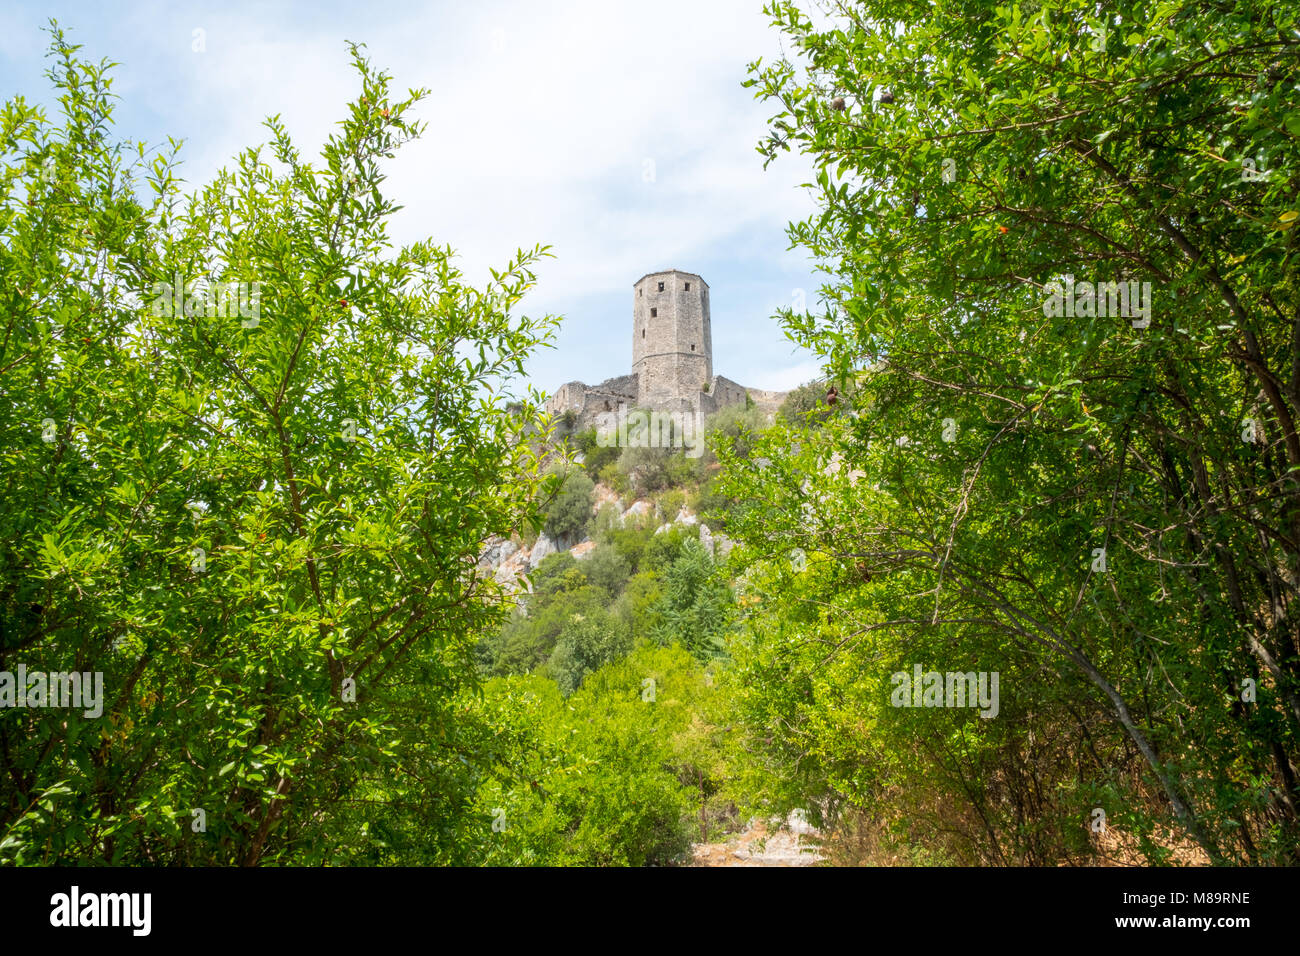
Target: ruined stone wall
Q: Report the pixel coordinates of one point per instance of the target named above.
(587, 403)
(726, 392)
(766, 400)
(601, 400)
(570, 395)
(622, 385)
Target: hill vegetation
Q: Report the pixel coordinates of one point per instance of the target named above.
(1010, 584)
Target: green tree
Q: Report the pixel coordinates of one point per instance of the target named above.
(695, 608)
(258, 520)
(639, 605)
(631, 544)
(664, 545)
(1050, 477)
(595, 456)
(614, 775)
(569, 514)
(557, 573)
(587, 642)
(607, 570)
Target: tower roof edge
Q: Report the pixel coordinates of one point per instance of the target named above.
(664, 272)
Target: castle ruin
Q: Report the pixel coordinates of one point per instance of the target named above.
(672, 359)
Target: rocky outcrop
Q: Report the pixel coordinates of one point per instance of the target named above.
(637, 511)
(604, 495)
(685, 518)
(543, 548)
(513, 569)
(497, 552)
(510, 563)
(793, 842)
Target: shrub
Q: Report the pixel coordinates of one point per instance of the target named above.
(613, 476)
(638, 605)
(569, 514)
(663, 548)
(587, 642)
(736, 424)
(322, 561)
(670, 503)
(682, 470)
(605, 523)
(631, 544)
(713, 505)
(556, 573)
(594, 455)
(607, 569)
(646, 469)
(696, 603)
(630, 804)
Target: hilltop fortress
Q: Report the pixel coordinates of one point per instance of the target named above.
(672, 360)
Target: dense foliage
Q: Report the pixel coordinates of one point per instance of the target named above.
(259, 524)
(624, 772)
(1100, 505)
(266, 522)
(569, 513)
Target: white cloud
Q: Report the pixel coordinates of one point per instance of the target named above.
(540, 118)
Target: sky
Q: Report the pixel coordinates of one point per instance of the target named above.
(618, 133)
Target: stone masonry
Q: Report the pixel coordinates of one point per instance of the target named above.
(672, 358)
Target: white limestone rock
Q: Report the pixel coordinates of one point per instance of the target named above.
(542, 549)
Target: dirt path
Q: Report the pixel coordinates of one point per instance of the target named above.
(794, 844)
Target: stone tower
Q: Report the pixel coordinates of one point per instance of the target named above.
(672, 344)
